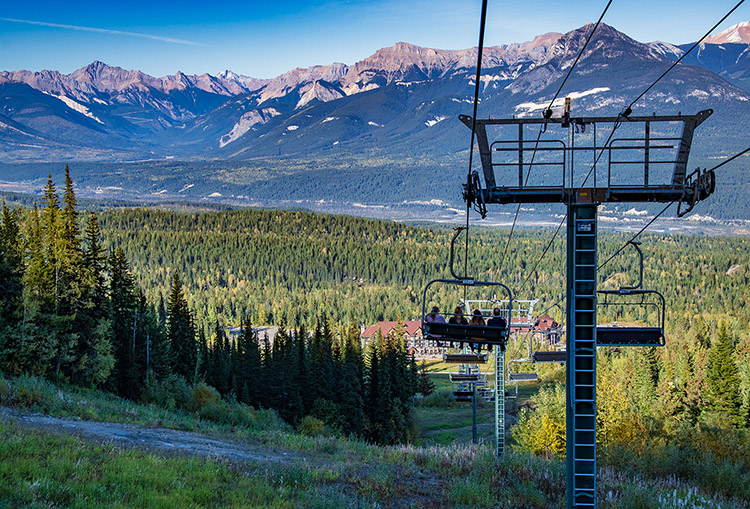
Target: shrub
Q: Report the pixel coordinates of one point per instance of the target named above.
(31, 391)
(172, 392)
(216, 411)
(442, 399)
(6, 391)
(202, 395)
(311, 426)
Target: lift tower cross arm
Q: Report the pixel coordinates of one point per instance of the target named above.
(647, 163)
(679, 188)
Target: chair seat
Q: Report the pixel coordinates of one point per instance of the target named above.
(481, 334)
(555, 356)
(523, 377)
(629, 336)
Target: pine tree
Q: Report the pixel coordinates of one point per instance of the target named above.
(723, 400)
(94, 356)
(180, 331)
(69, 212)
(425, 385)
(351, 398)
(249, 364)
(11, 268)
(123, 308)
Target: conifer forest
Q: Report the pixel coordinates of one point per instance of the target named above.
(138, 302)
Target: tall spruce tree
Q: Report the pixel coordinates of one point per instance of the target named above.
(123, 297)
(250, 368)
(351, 396)
(723, 400)
(11, 269)
(94, 353)
(180, 332)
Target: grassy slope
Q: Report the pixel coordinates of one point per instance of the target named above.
(40, 469)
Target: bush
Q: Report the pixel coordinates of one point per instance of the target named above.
(312, 427)
(443, 399)
(172, 392)
(31, 391)
(6, 392)
(202, 395)
(216, 411)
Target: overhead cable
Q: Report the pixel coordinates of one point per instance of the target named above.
(480, 48)
(548, 114)
(635, 236)
(629, 108)
(543, 254)
(730, 159)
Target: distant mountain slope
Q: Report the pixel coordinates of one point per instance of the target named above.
(387, 125)
(418, 116)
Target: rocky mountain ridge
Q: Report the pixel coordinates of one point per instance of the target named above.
(396, 94)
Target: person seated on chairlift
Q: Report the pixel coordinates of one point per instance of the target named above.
(434, 316)
(458, 318)
(476, 319)
(496, 320)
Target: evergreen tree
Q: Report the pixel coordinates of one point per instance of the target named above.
(11, 269)
(123, 311)
(723, 399)
(425, 385)
(351, 398)
(249, 364)
(180, 331)
(94, 355)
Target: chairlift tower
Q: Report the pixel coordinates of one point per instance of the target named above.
(648, 162)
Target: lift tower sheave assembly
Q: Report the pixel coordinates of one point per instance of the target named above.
(646, 162)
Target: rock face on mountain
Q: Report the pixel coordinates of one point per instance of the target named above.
(739, 33)
(400, 98)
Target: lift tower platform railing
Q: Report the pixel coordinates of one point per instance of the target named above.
(646, 162)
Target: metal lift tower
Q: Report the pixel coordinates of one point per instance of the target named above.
(645, 162)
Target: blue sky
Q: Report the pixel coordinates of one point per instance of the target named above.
(264, 39)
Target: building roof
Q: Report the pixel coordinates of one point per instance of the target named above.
(546, 322)
(411, 327)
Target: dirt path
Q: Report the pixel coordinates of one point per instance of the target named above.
(162, 440)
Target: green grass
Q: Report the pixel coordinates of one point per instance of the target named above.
(41, 470)
(49, 470)
(42, 396)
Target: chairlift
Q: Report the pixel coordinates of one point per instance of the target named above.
(514, 378)
(443, 332)
(634, 296)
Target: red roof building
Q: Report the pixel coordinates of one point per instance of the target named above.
(415, 342)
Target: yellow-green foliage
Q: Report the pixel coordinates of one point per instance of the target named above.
(542, 431)
(202, 395)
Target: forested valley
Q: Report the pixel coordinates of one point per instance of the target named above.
(137, 301)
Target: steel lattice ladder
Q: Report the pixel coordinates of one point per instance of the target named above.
(581, 356)
(500, 400)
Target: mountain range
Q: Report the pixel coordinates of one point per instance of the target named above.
(400, 103)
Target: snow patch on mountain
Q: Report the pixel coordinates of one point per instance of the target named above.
(434, 121)
(635, 212)
(560, 101)
(75, 106)
(374, 124)
(329, 119)
(292, 128)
